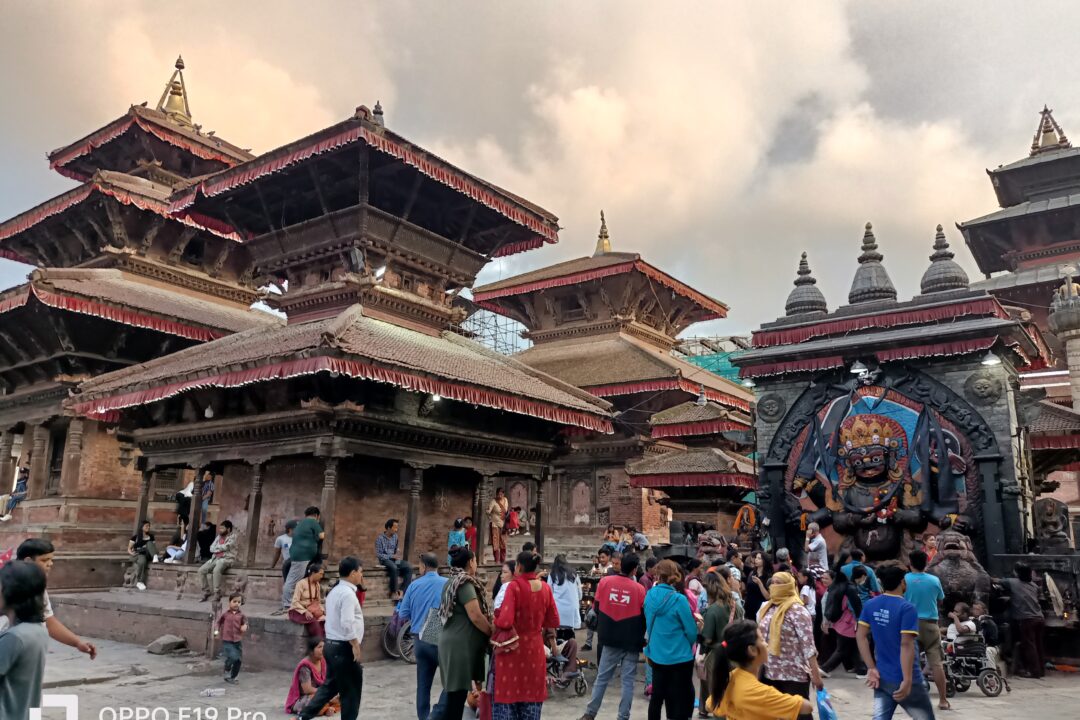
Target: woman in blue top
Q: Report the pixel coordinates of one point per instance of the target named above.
(671, 631)
(455, 538)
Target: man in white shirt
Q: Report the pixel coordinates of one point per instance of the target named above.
(344, 633)
(817, 553)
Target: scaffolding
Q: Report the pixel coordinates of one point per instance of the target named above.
(498, 332)
(713, 353)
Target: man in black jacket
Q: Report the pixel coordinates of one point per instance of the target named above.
(620, 608)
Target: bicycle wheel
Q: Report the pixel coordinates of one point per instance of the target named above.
(390, 640)
(407, 643)
(581, 685)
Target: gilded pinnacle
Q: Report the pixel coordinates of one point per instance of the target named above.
(603, 240)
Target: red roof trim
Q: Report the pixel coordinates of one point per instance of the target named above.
(704, 427)
(61, 203)
(123, 315)
(105, 135)
(732, 480)
(693, 388)
(716, 309)
(119, 127)
(15, 300)
(1055, 442)
(792, 366)
(354, 369)
(788, 336)
(960, 347)
(254, 169)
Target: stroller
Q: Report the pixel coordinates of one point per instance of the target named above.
(966, 660)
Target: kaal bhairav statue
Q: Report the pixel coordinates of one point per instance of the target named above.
(880, 467)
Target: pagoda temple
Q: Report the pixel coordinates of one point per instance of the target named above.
(608, 323)
(120, 279)
(884, 418)
(368, 402)
(1030, 253)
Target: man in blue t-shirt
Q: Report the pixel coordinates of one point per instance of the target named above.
(892, 667)
(925, 593)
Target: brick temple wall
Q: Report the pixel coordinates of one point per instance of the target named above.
(100, 472)
(368, 493)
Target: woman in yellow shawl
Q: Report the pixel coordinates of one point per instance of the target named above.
(788, 629)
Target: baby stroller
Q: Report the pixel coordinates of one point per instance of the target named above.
(966, 660)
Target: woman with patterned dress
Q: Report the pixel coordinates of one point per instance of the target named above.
(788, 629)
(521, 674)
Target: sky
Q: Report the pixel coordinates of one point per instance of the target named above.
(721, 139)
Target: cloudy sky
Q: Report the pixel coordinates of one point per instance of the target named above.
(721, 139)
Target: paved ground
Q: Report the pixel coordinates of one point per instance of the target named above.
(126, 679)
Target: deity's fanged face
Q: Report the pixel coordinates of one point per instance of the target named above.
(869, 461)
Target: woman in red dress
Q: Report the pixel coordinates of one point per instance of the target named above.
(521, 674)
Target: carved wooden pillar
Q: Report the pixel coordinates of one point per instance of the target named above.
(328, 502)
(144, 501)
(196, 518)
(251, 532)
(39, 462)
(481, 522)
(7, 464)
(541, 482)
(69, 471)
(413, 517)
(476, 506)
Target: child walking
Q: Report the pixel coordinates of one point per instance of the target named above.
(231, 626)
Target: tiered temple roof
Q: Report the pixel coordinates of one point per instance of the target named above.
(697, 468)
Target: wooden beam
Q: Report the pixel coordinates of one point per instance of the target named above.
(118, 342)
(66, 259)
(102, 235)
(151, 234)
(60, 329)
(88, 247)
(116, 220)
(265, 208)
(182, 241)
(322, 200)
(219, 262)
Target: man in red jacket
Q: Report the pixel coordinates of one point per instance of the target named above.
(619, 603)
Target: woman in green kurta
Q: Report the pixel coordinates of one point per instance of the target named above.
(466, 617)
(717, 617)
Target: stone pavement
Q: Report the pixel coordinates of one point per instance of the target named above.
(127, 677)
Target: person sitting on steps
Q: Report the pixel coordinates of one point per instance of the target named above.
(386, 552)
(222, 557)
(141, 549)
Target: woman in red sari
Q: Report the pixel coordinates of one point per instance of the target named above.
(308, 676)
(521, 674)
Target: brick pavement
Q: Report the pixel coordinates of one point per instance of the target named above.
(125, 676)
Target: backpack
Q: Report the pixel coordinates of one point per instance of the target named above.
(834, 606)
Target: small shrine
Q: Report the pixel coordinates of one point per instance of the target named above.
(885, 419)
(608, 323)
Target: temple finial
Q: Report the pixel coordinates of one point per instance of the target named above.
(944, 273)
(1048, 135)
(377, 114)
(871, 281)
(174, 100)
(603, 240)
(805, 298)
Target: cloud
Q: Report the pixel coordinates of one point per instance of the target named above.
(721, 139)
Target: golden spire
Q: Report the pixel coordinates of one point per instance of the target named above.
(174, 99)
(1048, 135)
(603, 240)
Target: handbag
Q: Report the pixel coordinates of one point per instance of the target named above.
(432, 627)
(504, 641)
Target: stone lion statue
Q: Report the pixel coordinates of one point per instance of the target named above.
(962, 577)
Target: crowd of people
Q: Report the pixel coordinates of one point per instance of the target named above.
(739, 635)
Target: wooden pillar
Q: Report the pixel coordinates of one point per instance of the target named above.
(39, 462)
(476, 506)
(328, 503)
(481, 522)
(251, 532)
(196, 518)
(413, 517)
(144, 500)
(69, 471)
(541, 482)
(7, 465)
